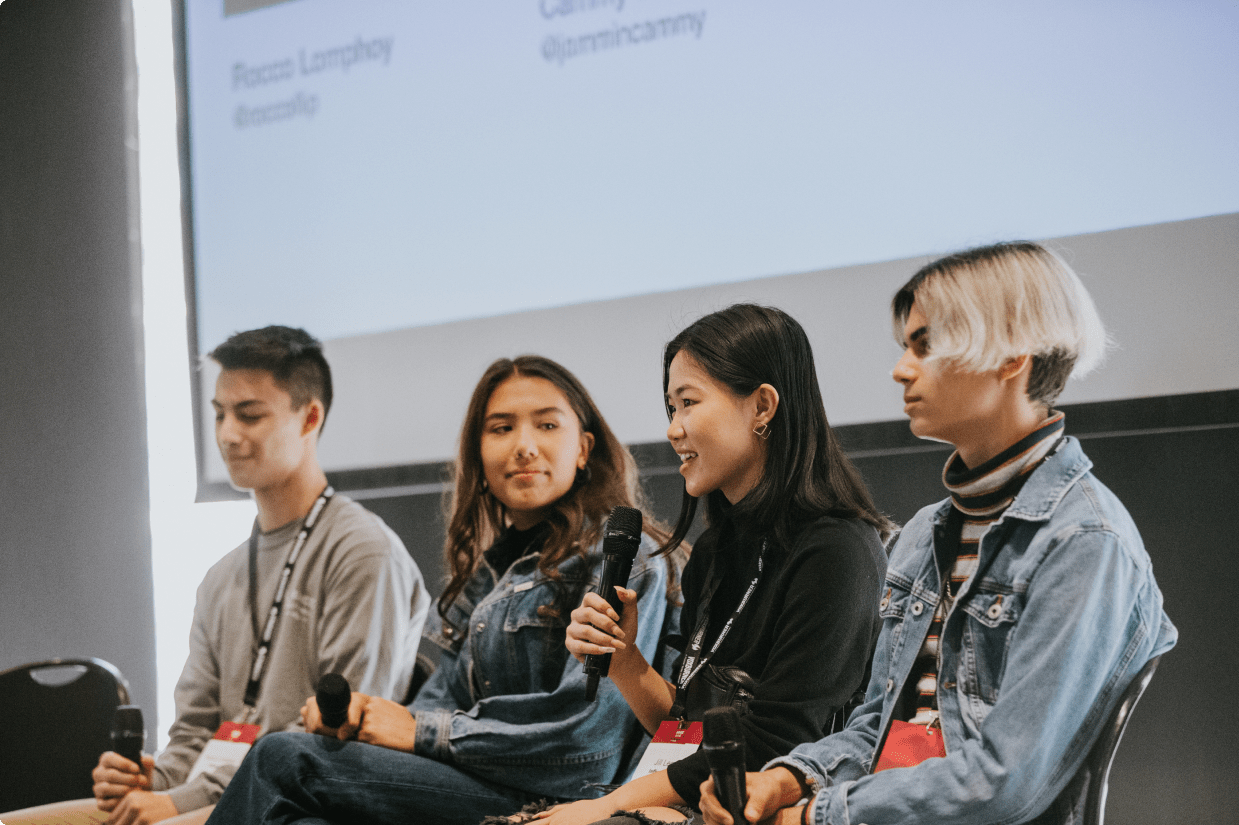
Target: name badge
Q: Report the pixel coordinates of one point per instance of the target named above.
(229, 746)
(670, 744)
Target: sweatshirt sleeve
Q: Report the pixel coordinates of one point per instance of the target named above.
(373, 606)
(198, 717)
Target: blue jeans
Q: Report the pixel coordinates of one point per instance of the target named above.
(301, 777)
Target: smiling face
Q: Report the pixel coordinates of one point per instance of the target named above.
(712, 432)
(945, 403)
(263, 440)
(532, 446)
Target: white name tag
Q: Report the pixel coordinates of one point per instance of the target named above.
(232, 741)
(670, 744)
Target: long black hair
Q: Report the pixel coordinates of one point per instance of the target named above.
(806, 474)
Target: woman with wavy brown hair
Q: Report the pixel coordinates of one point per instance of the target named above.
(504, 720)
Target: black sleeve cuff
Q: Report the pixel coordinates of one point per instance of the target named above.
(687, 775)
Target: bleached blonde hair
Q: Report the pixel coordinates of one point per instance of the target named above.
(987, 305)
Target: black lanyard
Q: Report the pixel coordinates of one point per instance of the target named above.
(259, 666)
(694, 658)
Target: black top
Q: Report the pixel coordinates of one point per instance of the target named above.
(514, 544)
(806, 636)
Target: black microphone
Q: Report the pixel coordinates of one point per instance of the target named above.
(333, 696)
(621, 536)
(128, 733)
(724, 748)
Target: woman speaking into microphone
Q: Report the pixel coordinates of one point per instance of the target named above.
(781, 593)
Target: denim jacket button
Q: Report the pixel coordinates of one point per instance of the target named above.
(995, 610)
(481, 626)
(917, 607)
(890, 685)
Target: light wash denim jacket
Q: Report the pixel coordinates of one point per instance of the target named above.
(507, 702)
(1061, 614)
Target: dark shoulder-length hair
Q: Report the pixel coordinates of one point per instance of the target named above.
(476, 518)
(806, 474)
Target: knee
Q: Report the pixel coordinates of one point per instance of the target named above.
(280, 753)
(278, 745)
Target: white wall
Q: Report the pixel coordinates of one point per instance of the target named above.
(1167, 292)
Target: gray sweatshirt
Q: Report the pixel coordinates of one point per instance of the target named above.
(355, 606)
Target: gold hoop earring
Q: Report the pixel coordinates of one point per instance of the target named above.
(762, 431)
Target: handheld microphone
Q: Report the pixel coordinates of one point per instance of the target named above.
(621, 536)
(333, 696)
(723, 744)
(128, 733)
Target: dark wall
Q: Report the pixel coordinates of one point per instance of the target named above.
(75, 567)
(1173, 461)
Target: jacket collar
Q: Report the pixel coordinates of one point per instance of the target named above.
(1045, 488)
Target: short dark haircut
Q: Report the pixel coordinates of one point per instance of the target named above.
(806, 474)
(293, 356)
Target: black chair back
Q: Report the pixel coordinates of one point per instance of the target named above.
(1101, 757)
(1083, 801)
(59, 720)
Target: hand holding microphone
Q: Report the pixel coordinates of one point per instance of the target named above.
(723, 744)
(621, 537)
(128, 733)
(333, 696)
(112, 779)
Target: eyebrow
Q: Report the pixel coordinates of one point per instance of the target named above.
(239, 405)
(679, 390)
(542, 411)
(918, 334)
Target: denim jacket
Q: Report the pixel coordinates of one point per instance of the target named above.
(507, 702)
(1061, 614)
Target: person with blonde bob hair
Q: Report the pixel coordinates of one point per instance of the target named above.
(994, 303)
(1016, 611)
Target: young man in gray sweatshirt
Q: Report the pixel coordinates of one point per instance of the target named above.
(354, 601)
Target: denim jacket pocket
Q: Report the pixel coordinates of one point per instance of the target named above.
(449, 634)
(991, 616)
(892, 608)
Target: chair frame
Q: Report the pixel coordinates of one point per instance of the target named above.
(122, 685)
(52, 768)
(1101, 756)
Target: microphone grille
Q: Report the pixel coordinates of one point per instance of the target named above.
(719, 725)
(334, 688)
(127, 718)
(626, 520)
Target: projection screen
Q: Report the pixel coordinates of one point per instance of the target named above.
(429, 186)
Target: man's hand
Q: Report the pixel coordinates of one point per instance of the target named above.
(388, 724)
(115, 776)
(313, 720)
(371, 719)
(769, 793)
(142, 808)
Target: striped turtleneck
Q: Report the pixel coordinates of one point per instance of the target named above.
(979, 497)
